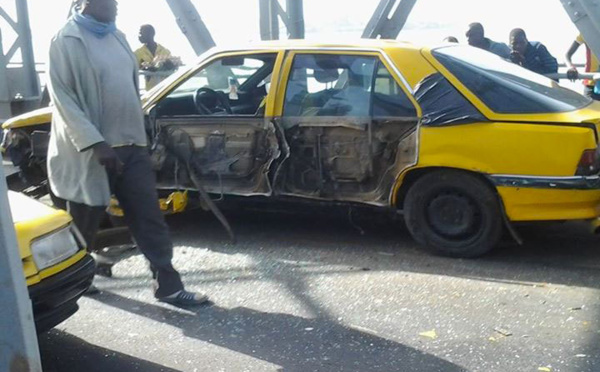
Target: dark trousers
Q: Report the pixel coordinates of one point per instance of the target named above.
(135, 189)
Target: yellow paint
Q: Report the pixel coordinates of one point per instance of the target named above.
(114, 209)
(429, 334)
(56, 268)
(34, 220)
(500, 148)
(522, 147)
(37, 117)
(177, 201)
(530, 204)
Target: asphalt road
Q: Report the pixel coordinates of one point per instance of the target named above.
(312, 291)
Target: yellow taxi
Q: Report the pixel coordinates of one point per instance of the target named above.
(460, 141)
(56, 266)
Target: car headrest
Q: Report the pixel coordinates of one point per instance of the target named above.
(326, 76)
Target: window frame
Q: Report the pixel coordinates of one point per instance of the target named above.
(379, 54)
(479, 104)
(154, 99)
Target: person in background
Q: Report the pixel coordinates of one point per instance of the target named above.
(476, 38)
(450, 39)
(591, 89)
(151, 55)
(531, 55)
(98, 143)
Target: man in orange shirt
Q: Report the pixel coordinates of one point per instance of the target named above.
(591, 65)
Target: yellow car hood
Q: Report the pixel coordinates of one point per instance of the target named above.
(33, 220)
(36, 117)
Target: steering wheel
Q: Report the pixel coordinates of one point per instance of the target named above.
(208, 101)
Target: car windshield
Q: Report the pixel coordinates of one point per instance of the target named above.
(505, 87)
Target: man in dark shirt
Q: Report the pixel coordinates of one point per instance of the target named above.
(532, 55)
(476, 38)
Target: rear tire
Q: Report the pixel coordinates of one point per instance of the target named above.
(454, 214)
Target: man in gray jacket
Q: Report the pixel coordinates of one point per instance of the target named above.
(98, 141)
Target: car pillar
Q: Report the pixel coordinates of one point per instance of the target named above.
(18, 338)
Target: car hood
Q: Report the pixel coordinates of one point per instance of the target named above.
(36, 117)
(33, 220)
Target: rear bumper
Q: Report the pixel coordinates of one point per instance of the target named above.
(533, 204)
(54, 299)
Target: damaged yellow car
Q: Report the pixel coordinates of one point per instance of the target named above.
(56, 265)
(458, 140)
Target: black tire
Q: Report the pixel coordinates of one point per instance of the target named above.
(454, 214)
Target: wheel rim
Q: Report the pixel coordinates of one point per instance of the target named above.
(454, 215)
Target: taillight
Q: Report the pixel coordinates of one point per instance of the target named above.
(589, 163)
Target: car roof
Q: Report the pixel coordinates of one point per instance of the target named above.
(371, 44)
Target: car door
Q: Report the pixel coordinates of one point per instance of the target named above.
(216, 121)
(350, 127)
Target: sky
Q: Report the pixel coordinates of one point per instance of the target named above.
(236, 21)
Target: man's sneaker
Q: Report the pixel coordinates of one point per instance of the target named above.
(185, 298)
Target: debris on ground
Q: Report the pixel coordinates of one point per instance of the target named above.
(429, 334)
(503, 331)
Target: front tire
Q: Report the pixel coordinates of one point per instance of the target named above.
(454, 214)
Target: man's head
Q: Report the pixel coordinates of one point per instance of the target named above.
(146, 34)
(518, 40)
(475, 35)
(104, 11)
(450, 39)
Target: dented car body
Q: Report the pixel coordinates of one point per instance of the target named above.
(461, 141)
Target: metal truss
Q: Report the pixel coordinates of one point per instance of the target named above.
(19, 84)
(292, 17)
(389, 19)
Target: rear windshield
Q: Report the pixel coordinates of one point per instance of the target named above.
(505, 87)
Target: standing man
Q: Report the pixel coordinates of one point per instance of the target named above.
(532, 55)
(150, 54)
(98, 141)
(476, 38)
(591, 65)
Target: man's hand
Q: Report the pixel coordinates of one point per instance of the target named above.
(572, 74)
(517, 57)
(108, 158)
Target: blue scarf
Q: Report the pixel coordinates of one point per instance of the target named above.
(97, 28)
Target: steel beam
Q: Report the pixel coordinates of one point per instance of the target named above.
(292, 17)
(5, 111)
(269, 19)
(20, 83)
(585, 14)
(191, 25)
(388, 19)
(295, 18)
(18, 340)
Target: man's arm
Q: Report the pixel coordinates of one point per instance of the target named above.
(572, 73)
(82, 133)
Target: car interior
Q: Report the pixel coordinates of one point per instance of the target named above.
(234, 85)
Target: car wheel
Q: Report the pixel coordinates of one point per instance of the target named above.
(453, 214)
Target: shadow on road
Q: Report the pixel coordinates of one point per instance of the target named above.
(294, 343)
(62, 352)
(319, 242)
(558, 253)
